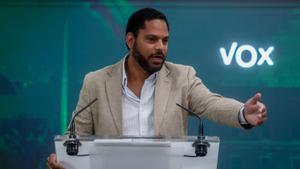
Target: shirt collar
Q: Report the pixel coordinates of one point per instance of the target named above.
(151, 78)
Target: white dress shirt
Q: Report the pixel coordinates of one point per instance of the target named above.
(138, 118)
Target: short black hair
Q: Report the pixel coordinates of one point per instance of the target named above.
(137, 20)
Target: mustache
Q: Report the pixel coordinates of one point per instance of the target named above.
(158, 55)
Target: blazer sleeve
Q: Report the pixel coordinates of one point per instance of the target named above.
(211, 105)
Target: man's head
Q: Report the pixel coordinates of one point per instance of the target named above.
(147, 35)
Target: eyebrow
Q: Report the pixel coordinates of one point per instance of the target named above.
(152, 35)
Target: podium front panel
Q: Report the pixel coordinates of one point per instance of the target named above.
(131, 153)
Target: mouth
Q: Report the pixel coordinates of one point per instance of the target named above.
(157, 58)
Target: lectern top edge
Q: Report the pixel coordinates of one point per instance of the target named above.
(92, 138)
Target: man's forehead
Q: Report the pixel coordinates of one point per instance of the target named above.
(155, 27)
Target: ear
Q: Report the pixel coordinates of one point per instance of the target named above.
(130, 39)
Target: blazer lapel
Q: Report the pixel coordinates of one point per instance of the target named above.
(114, 94)
(162, 91)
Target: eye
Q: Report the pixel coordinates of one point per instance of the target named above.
(151, 38)
(166, 40)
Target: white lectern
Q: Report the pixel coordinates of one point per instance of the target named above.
(137, 153)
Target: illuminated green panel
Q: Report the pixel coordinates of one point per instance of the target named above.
(64, 83)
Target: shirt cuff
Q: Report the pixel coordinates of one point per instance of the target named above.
(242, 117)
(244, 123)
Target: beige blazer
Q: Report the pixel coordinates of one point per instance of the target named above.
(175, 84)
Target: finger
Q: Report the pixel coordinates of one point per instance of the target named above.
(260, 122)
(52, 162)
(262, 107)
(52, 158)
(51, 166)
(262, 114)
(256, 98)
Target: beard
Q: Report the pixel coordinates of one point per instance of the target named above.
(144, 61)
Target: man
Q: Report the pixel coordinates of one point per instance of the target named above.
(137, 96)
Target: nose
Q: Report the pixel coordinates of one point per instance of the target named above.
(159, 45)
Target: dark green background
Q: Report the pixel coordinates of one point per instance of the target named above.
(47, 47)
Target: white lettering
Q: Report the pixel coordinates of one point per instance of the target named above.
(228, 58)
(238, 56)
(265, 56)
(239, 51)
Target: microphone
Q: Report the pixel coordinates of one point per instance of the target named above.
(200, 144)
(72, 143)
